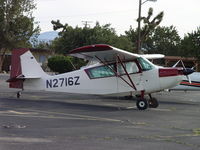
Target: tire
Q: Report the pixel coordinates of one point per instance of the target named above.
(153, 103)
(19, 94)
(142, 104)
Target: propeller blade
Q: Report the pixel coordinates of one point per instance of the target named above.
(189, 79)
(176, 64)
(183, 64)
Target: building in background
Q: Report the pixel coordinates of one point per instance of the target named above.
(41, 56)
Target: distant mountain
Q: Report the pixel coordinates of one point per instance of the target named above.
(48, 36)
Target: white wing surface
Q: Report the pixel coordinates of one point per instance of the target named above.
(102, 52)
(107, 53)
(153, 56)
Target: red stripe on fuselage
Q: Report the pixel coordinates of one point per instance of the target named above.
(190, 84)
(167, 72)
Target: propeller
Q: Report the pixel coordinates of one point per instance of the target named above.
(176, 64)
(186, 71)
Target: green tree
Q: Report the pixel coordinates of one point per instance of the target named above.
(150, 25)
(132, 35)
(70, 38)
(16, 25)
(42, 45)
(190, 45)
(60, 64)
(163, 40)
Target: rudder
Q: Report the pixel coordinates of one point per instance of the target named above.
(23, 65)
(16, 71)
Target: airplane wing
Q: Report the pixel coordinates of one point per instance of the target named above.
(107, 53)
(153, 56)
(102, 52)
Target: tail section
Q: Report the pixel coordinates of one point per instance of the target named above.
(30, 67)
(23, 66)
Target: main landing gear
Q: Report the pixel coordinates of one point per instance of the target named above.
(143, 103)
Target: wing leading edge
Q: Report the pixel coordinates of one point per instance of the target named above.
(107, 53)
(103, 52)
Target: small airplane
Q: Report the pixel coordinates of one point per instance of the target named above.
(189, 85)
(109, 71)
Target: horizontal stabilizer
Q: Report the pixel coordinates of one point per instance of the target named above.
(22, 77)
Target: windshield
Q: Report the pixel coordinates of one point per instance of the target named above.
(145, 64)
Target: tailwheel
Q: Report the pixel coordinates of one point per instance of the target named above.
(19, 94)
(142, 104)
(153, 103)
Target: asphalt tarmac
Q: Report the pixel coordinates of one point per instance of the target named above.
(62, 121)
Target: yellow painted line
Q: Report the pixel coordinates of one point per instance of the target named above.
(160, 109)
(55, 117)
(75, 115)
(16, 112)
(34, 113)
(24, 140)
(131, 107)
(20, 113)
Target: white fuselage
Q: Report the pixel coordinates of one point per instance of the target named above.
(80, 82)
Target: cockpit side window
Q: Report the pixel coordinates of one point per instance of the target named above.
(101, 72)
(145, 65)
(111, 70)
(131, 67)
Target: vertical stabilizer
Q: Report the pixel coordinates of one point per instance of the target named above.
(23, 66)
(30, 67)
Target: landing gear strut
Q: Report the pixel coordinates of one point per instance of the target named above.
(153, 103)
(142, 103)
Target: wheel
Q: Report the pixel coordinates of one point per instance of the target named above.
(18, 94)
(142, 104)
(153, 103)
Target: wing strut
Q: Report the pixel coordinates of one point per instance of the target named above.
(116, 74)
(126, 72)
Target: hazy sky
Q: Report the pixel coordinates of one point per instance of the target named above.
(183, 14)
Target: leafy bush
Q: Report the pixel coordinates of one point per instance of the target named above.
(60, 64)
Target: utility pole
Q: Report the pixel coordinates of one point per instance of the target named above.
(139, 28)
(139, 25)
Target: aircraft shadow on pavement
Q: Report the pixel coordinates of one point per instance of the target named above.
(176, 103)
(49, 104)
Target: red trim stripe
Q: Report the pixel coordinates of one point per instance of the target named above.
(91, 48)
(167, 72)
(193, 83)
